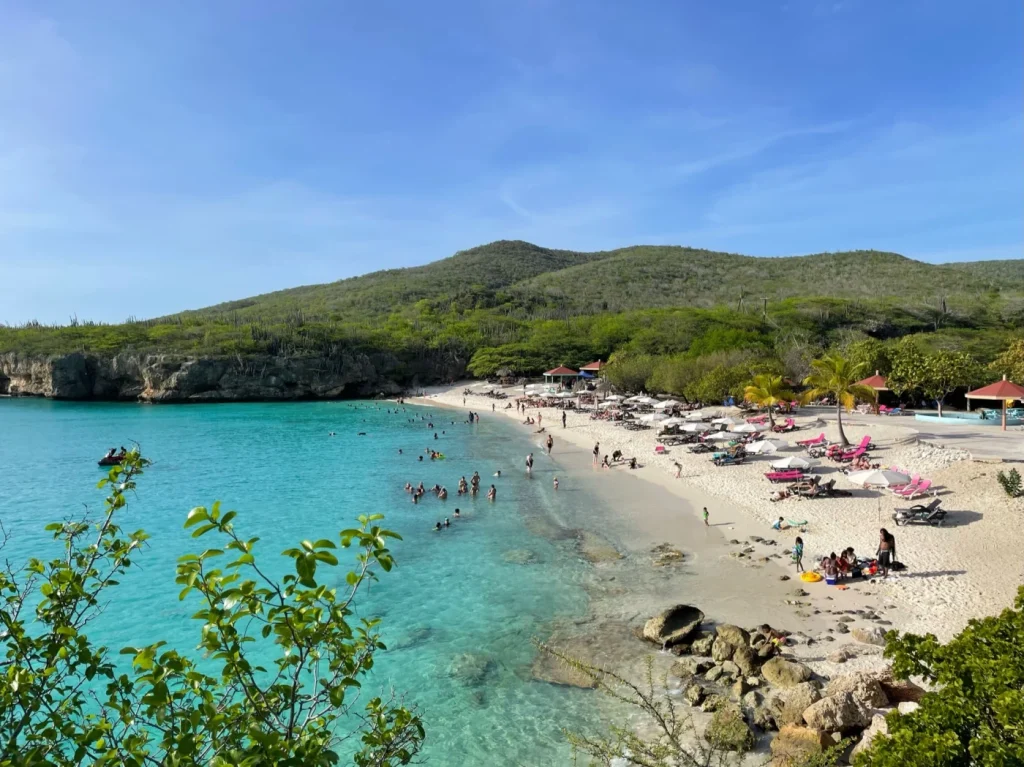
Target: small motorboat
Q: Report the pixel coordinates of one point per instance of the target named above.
(111, 460)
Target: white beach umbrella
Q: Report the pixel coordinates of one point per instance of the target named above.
(653, 417)
(766, 446)
(610, 406)
(673, 422)
(695, 416)
(665, 404)
(694, 427)
(794, 462)
(720, 436)
(878, 478)
(727, 421)
(613, 398)
(564, 394)
(747, 428)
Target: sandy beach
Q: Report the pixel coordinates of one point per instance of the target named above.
(970, 567)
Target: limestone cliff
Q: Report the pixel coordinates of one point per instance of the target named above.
(166, 378)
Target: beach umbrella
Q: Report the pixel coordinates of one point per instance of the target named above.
(564, 394)
(794, 462)
(665, 404)
(727, 421)
(613, 398)
(878, 478)
(653, 417)
(747, 428)
(694, 427)
(695, 416)
(720, 436)
(766, 446)
(610, 406)
(673, 422)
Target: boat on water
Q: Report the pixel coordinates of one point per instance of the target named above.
(111, 460)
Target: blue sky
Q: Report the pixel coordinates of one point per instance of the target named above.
(162, 156)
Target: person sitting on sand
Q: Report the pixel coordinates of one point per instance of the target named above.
(778, 523)
(605, 464)
(541, 430)
(616, 456)
(778, 495)
(492, 494)
(632, 463)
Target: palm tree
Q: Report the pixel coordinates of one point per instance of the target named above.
(767, 391)
(837, 376)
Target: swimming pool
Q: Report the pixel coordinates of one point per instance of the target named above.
(980, 417)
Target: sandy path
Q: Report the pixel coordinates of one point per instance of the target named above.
(969, 568)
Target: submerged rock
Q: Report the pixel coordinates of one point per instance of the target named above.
(470, 668)
(520, 556)
(596, 549)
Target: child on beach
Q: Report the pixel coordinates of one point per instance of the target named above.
(706, 515)
(798, 554)
(556, 483)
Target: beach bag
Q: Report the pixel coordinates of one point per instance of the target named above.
(897, 566)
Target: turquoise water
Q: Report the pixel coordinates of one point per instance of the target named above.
(458, 617)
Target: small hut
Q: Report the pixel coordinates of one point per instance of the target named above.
(594, 368)
(1000, 390)
(876, 382)
(561, 376)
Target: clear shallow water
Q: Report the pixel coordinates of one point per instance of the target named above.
(457, 616)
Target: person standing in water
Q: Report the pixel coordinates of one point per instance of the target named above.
(798, 554)
(597, 453)
(492, 494)
(556, 483)
(550, 443)
(529, 465)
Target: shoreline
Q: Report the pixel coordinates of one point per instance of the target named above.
(647, 509)
(960, 571)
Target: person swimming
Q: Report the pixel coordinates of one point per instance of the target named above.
(442, 494)
(556, 483)
(458, 513)
(446, 522)
(437, 527)
(497, 473)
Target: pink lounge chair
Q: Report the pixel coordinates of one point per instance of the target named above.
(791, 475)
(757, 419)
(914, 480)
(819, 440)
(917, 491)
(789, 425)
(847, 457)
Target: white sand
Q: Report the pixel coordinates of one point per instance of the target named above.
(968, 568)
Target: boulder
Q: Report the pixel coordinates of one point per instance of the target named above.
(873, 635)
(722, 650)
(673, 625)
(767, 650)
(877, 727)
(752, 700)
(908, 707)
(738, 690)
(471, 668)
(899, 690)
(712, 702)
(838, 713)
(728, 730)
(747, 660)
(793, 702)
(694, 694)
(730, 668)
(864, 687)
(702, 644)
(690, 666)
(714, 673)
(734, 635)
(665, 554)
(763, 717)
(794, 745)
(785, 673)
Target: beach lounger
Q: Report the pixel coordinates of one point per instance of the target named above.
(918, 491)
(819, 440)
(789, 425)
(794, 475)
(847, 457)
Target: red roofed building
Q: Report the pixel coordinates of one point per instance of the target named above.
(559, 374)
(593, 367)
(1000, 390)
(876, 382)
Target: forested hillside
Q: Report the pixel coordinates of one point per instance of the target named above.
(522, 307)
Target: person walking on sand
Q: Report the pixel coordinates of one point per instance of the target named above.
(706, 515)
(597, 453)
(550, 443)
(563, 419)
(679, 469)
(798, 554)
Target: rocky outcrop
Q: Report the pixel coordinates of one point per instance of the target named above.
(785, 673)
(673, 626)
(838, 713)
(172, 378)
(795, 745)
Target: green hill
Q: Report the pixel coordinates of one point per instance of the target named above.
(527, 279)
